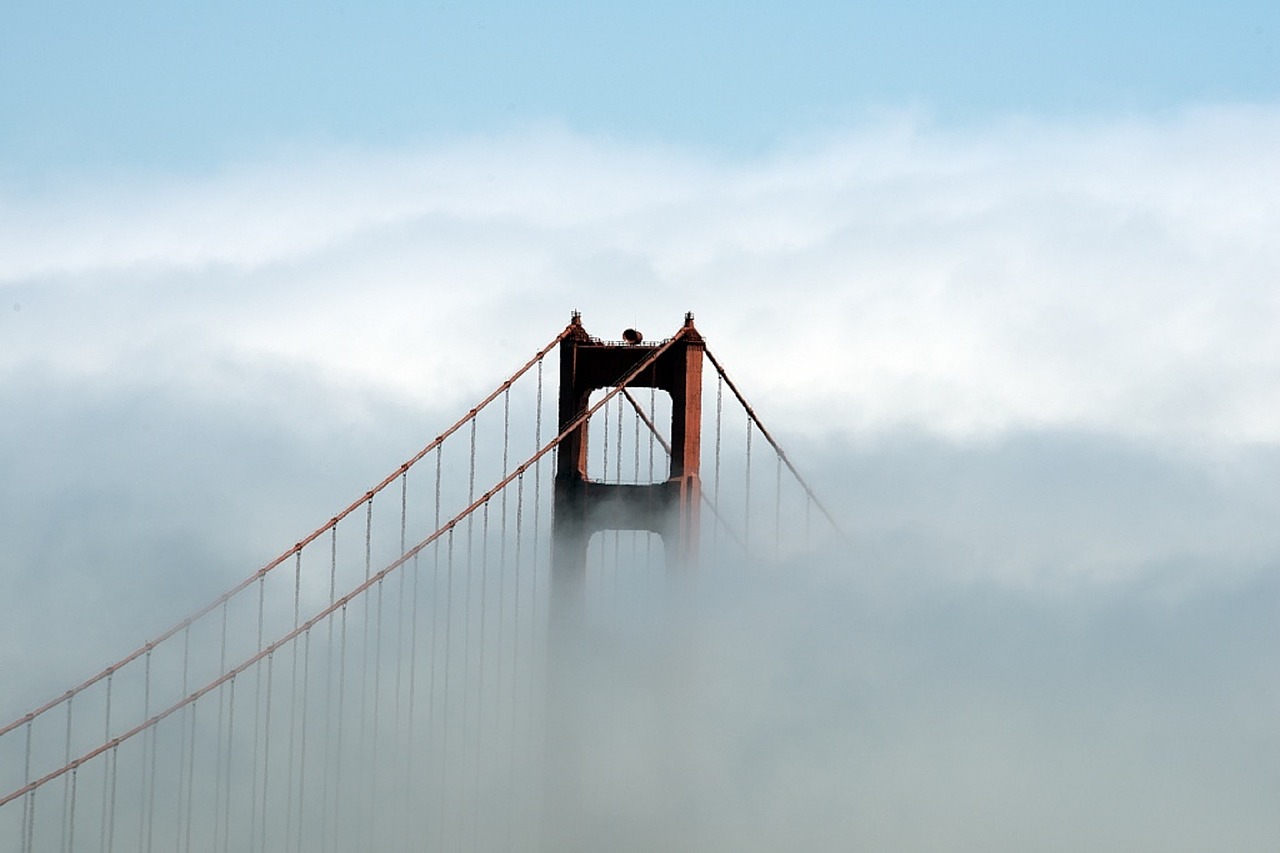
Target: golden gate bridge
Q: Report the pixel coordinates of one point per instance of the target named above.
(399, 678)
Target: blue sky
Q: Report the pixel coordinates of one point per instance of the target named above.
(86, 87)
(1002, 276)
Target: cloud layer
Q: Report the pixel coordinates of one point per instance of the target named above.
(1115, 277)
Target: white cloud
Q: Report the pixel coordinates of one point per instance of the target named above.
(1117, 276)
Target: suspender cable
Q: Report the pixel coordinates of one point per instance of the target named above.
(113, 761)
(222, 702)
(715, 488)
(71, 832)
(435, 622)
(777, 508)
(147, 752)
(151, 788)
(337, 762)
(502, 560)
(266, 756)
(302, 758)
(399, 734)
(537, 528)
(293, 707)
(444, 725)
(106, 736)
(371, 793)
(328, 691)
(484, 596)
(28, 802)
(364, 650)
(604, 447)
(653, 433)
(188, 761)
(66, 784)
(515, 656)
(746, 527)
(400, 598)
(409, 783)
(257, 720)
(617, 537)
(466, 606)
(226, 780)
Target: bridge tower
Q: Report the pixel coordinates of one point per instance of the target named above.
(581, 506)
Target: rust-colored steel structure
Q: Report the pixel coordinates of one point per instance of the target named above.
(668, 507)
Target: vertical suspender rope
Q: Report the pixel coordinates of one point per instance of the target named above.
(185, 831)
(484, 594)
(444, 726)
(435, 623)
(340, 718)
(293, 708)
(328, 693)
(190, 756)
(604, 446)
(362, 752)
(113, 760)
(231, 731)
(746, 527)
(502, 563)
(410, 779)
(537, 529)
(257, 720)
(635, 463)
(266, 754)
(716, 482)
(147, 742)
(515, 661)
(777, 508)
(400, 598)
(400, 736)
(67, 815)
(635, 478)
(653, 412)
(151, 786)
(338, 750)
(106, 770)
(28, 802)
(222, 703)
(808, 506)
(71, 827)
(302, 758)
(371, 794)
(466, 606)
(617, 535)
